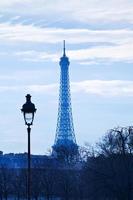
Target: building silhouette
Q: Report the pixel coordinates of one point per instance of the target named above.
(19, 160)
(65, 140)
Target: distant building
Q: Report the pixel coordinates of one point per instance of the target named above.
(19, 160)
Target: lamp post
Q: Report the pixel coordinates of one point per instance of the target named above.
(28, 110)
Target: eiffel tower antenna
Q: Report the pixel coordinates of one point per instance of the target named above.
(64, 48)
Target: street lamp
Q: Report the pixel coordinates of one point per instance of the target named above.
(28, 110)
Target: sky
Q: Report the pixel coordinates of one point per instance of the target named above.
(99, 44)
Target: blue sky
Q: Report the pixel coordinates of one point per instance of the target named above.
(99, 43)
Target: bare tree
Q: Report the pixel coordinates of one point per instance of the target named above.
(109, 173)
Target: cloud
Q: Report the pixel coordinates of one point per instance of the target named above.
(26, 76)
(48, 89)
(51, 88)
(104, 88)
(109, 88)
(36, 56)
(30, 33)
(15, 18)
(90, 62)
(101, 45)
(114, 45)
(105, 53)
(86, 11)
(88, 56)
(114, 11)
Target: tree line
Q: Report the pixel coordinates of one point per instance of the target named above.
(103, 172)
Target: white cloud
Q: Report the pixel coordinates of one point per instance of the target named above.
(30, 33)
(113, 45)
(109, 53)
(106, 12)
(91, 62)
(85, 11)
(48, 89)
(51, 88)
(106, 44)
(24, 76)
(15, 18)
(89, 56)
(36, 56)
(105, 88)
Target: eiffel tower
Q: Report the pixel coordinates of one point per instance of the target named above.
(65, 140)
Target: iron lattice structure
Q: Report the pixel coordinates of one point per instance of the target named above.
(65, 136)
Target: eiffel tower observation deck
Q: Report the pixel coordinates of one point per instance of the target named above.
(65, 140)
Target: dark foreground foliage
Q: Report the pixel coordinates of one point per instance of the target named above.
(104, 173)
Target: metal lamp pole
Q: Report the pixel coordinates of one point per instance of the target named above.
(28, 110)
(29, 166)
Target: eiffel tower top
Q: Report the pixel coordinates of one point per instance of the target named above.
(64, 60)
(64, 49)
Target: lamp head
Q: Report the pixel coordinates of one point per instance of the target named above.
(28, 110)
